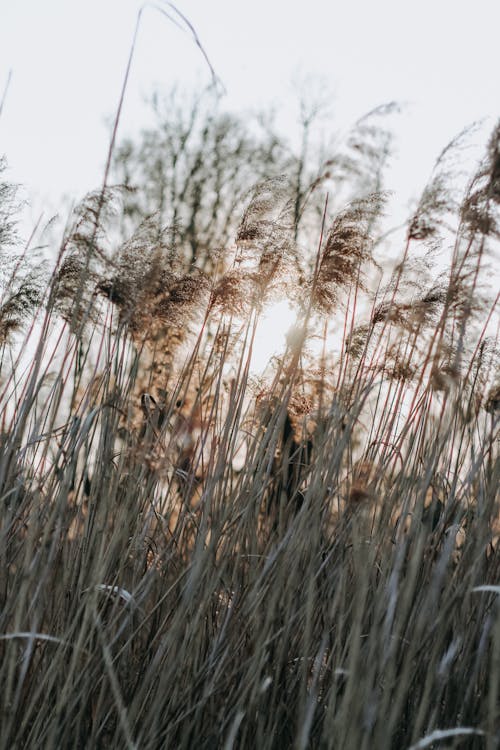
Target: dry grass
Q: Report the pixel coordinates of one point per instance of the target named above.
(339, 587)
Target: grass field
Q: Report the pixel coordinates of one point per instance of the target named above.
(199, 554)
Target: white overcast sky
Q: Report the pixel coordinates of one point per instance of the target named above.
(68, 59)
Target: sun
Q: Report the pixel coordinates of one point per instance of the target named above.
(270, 340)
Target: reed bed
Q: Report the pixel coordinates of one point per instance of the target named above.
(196, 555)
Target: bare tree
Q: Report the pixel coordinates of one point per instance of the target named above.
(193, 170)
(197, 166)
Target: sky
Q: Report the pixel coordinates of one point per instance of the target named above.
(67, 61)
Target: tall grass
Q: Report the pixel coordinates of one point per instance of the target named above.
(195, 557)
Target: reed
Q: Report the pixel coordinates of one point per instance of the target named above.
(197, 555)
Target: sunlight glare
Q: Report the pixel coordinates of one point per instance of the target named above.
(274, 324)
